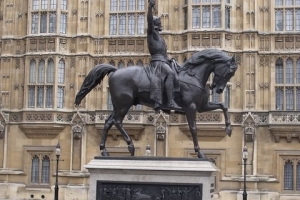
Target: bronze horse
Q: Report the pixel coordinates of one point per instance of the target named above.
(130, 86)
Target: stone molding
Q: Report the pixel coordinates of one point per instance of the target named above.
(208, 132)
(134, 131)
(38, 130)
(285, 132)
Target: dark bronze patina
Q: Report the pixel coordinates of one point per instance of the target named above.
(160, 65)
(131, 86)
(142, 85)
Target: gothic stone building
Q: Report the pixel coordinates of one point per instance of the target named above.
(47, 48)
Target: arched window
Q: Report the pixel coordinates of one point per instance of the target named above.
(129, 19)
(196, 17)
(278, 2)
(122, 5)
(32, 71)
(297, 16)
(45, 169)
(63, 5)
(279, 98)
(41, 71)
(61, 72)
(141, 24)
(113, 5)
(287, 15)
(141, 4)
(40, 169)
(278, 20)
(122, 24)
(205, 17)
(288, 175)
(41, 83)
(279, 71)
(289, 98)
(131, 24)
(289, 20)
(113, 25)
(289, 71)
(50, 71)
(298, 176)
(35, 169)
(131, 4)
(298, 71)
(216, 17)
(35, 4)
(44, 16)
(60, 80)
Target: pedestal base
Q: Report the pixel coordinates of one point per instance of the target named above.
(131, 178)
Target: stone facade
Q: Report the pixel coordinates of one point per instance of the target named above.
(37, 111)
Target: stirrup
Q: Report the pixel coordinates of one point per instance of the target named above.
(157, 108)
(173, 104)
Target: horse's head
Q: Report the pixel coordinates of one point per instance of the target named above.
(222, 74)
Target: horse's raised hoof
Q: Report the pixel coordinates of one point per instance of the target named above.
(104, 153)
(201, 155)
(131, 149)
(228, 130)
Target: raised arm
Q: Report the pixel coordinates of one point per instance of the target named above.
(151, 4)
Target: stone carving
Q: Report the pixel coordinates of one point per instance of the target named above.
(32, 117)
(112, 46)
(216, 40)
(138, 191)
(77, 124)
(140, 46)
(279, 117)
(196, 40)
(228, 41)
(3, 122)
(250, 122)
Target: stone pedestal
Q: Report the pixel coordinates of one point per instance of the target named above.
(131, 178)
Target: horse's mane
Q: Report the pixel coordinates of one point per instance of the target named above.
(214, 55)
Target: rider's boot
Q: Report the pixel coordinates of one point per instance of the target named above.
(171, 102)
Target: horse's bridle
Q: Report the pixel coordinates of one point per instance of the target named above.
(214, 84)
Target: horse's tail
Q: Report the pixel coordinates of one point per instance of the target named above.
(93, 79)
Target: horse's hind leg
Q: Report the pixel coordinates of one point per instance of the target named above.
(118, 120)
(108, 124)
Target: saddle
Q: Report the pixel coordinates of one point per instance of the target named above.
(144, 77)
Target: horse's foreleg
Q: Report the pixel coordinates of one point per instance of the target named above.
(108, 124)
(191, 115)
(118, 123)
(214, 106)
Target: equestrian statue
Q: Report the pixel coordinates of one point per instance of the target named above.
(164, 85)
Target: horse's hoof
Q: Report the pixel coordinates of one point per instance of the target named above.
(102, 146)
(104, 153)
(228, 130)
(201, 155)
(131, 149)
